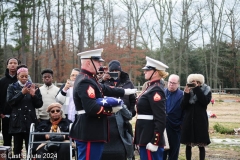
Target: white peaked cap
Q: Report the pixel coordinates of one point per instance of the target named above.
(154, 64)
(92, 54)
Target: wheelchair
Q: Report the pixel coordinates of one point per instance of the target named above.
(30, 156)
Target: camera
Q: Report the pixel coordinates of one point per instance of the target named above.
(28, 84)
(191, 84)
(113, 75)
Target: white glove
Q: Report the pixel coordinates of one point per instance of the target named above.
(151, 147)
(130, 91)
(116, 109)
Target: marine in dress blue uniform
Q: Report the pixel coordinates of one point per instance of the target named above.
(90, 129)
(151, 117)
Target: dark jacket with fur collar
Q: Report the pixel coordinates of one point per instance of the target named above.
(195, 122)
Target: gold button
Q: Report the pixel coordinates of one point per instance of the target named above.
(155, 138)
(99, 117)
(155, 143)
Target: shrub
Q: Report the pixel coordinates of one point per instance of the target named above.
(223, 130)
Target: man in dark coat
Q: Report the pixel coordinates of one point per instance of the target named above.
(5, 109)
(90, 128)
(195, 122)
(117, 148)
(174, 117)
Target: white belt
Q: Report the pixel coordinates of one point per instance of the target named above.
(81, 112)
(147, 117)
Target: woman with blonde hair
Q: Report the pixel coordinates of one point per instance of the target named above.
(151, 117)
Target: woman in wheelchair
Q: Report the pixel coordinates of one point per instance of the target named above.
(56, 124)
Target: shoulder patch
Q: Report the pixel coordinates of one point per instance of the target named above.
(157, 97)
(91, 92)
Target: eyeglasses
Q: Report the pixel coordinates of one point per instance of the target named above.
(173, 83)
(53, 111)
(100, 73)
(73, 75)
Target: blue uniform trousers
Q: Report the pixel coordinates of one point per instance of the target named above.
(146, 154)
(174, 143)
(89, 150)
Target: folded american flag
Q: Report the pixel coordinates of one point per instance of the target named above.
(109, 101)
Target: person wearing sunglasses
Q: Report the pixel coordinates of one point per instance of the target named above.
(56, 123)
(120, 145)
(23, 97)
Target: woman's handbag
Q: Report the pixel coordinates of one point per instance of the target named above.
(52, 147)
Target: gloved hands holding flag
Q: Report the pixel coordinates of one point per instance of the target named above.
(115, 103)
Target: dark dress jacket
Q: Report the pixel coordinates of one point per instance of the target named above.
(4, 83)
(93, 125)
(195, 123)
(120, 144)
(23, 108)
(151, 102)
(45, 126)
(124, 82)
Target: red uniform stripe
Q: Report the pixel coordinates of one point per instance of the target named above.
(149, 155)
(88, 151)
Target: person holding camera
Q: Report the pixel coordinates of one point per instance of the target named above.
(23, 97)
(119, 147)
(65, 96)
(49, 92)
(197, 96)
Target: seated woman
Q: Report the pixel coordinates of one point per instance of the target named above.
(56, 123)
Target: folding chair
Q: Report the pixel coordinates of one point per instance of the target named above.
(31, 140)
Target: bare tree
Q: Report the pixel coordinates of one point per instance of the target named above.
(215, 35)
(163, 17)
(234, 25)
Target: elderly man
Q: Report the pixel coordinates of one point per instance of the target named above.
(174, 117)
(90, 129)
